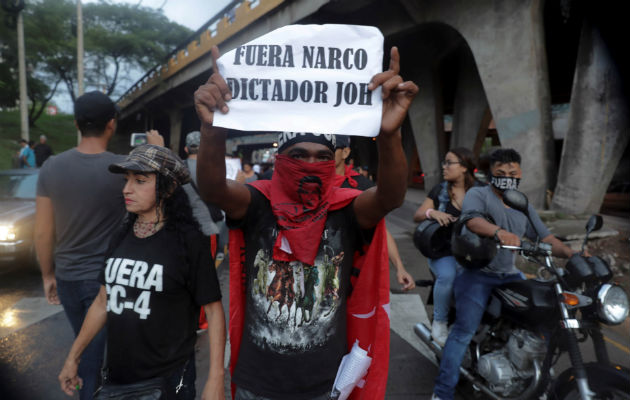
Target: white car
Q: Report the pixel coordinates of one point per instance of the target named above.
(17, 215)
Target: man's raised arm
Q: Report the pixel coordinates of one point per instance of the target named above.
(389, 193)
(230, 196)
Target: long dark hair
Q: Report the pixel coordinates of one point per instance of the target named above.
(177, 213)
(467, 160)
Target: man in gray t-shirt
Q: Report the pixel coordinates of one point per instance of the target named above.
(88, 206)
(483, 199)
(199, 207)
(472, 288)
(79, 205)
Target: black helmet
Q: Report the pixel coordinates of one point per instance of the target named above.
(433, 240)
(471, 250)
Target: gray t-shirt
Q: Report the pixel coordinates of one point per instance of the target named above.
(484, 200)
(192, 167)
(199, 208)
(88, 207)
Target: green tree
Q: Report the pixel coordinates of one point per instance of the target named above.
(8, 85)
(123, 36)
(9, 91)
(117, 37)
(51, 44)
(38, 90)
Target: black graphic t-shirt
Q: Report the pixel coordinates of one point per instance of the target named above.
(154, 291)
(434, 195)
(295, 321)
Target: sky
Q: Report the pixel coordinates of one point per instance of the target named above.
(190, 13)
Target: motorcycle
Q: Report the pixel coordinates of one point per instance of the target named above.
(528, 324)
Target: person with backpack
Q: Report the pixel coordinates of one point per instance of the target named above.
(444, 205)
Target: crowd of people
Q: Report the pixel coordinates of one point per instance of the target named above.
(129, 244)
(32, 155)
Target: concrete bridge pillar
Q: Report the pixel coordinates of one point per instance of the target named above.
(175, 131)
(598, 132)
(507, 41)
(471, 113)
(427, 122)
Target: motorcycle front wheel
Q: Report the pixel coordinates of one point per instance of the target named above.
(607, 382)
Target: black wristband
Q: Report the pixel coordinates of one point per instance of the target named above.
(496, 237)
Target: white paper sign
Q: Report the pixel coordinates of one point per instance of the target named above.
(305, 78)
(232, 166)
(352, 369)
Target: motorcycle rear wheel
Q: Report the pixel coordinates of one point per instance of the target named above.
(607, 382)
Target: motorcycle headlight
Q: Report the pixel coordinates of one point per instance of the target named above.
(612, 304)
(7, 233)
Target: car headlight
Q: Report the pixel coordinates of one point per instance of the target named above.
(7, 233)
(612, 304)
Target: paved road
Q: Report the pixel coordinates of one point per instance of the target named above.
(35, 337)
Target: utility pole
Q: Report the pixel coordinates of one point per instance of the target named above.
(22, 77)
(79, 55)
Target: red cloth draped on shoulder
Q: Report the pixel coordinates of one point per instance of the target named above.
(367, 307)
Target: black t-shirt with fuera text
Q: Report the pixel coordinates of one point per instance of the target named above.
(294, 333)
(155, 287)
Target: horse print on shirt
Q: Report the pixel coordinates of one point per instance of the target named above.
(295, 304)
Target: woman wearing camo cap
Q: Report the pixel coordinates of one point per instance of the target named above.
(156, 276)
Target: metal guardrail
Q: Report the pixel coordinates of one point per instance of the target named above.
(231, 19)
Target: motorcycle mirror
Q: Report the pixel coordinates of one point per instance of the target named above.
(594, 223)
(516, 200)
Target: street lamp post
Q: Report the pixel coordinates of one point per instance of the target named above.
(22, 77)
(79, 48)
(79, 55)
(14, 9)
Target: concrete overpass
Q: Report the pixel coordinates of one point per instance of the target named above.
(494, 67)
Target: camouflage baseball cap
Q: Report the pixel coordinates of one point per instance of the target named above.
(152, 158)
(193, 139)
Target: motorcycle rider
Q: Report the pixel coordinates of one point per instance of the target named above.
(472, 288)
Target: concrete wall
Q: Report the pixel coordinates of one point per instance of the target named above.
(598, 131)
(471, 110)
(427, 123)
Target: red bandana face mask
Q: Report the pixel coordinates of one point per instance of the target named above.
(300, 193)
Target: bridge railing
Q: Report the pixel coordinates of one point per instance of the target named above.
(230, 20)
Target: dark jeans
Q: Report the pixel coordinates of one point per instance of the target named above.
(243, 394)
(472, 290)
(76, 298)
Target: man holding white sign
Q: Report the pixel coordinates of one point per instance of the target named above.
(295, 299)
